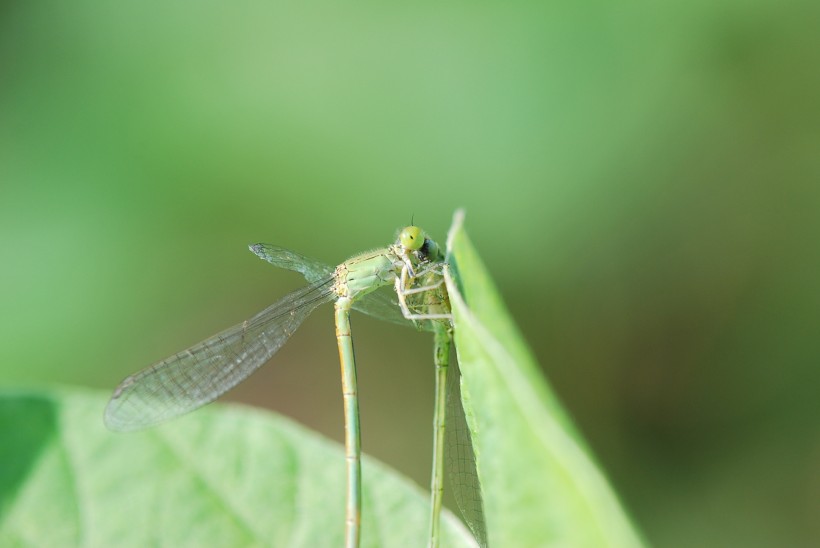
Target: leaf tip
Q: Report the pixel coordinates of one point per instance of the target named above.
(458, 221)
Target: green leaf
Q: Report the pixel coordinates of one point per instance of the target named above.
(539, 483)
(223, 476)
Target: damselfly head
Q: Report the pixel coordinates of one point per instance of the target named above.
(411, 238)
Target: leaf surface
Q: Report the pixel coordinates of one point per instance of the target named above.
(223, 476)
(540, 485)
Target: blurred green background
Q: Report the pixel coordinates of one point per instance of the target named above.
(641, 179)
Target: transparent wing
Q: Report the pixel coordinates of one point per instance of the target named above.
(460, 460)
(200, 374)
(311, 269)
(381, 304)
(384, 305)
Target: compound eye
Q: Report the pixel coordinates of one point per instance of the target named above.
(412, 238)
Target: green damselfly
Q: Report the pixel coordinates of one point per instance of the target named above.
(413, 265)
